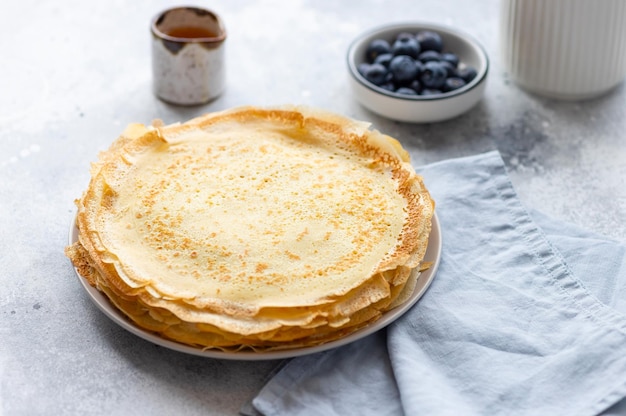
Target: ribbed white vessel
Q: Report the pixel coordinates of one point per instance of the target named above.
(566, 49)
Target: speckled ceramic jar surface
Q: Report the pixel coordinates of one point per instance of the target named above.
(564, 49)
(188, 55)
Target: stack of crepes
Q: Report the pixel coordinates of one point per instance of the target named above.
(253, 228)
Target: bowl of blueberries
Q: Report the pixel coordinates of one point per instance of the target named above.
(417, 72)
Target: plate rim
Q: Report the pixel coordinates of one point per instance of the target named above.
(433, 254)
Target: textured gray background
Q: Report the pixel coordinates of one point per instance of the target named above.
(74, 73)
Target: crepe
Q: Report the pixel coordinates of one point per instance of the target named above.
(253, 227)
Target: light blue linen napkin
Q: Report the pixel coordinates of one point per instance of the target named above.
(508, 326)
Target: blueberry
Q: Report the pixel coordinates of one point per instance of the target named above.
(406, 91)
(384, 59)
(452, 84)
(363, 68)
(451, 58)
(404, 35)
(428, 56)
(416, 86)
(429, 40)
(420, 67)
(389, 86)
(430, 91)
(375, 48)
(467, 73)
(451, 70)
(376, 74)
(434, 75)
(404, 69)
(406, 46)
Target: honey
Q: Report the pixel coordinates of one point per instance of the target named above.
(191, 32)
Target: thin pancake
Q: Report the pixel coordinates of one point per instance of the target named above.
(252, 223)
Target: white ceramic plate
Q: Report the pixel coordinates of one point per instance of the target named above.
(433, 254)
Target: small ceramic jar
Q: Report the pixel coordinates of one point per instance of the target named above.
(188, 65)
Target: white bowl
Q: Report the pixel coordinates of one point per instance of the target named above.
(420, 109)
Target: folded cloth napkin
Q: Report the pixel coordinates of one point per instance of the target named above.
(525, 316)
